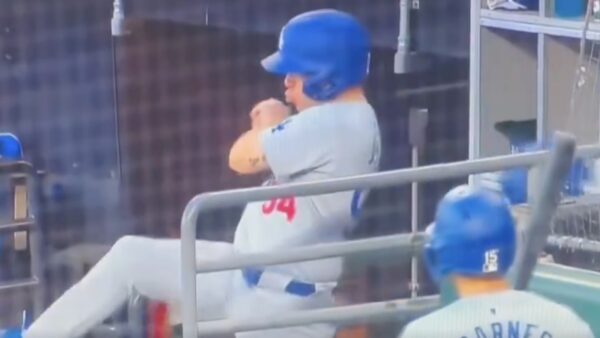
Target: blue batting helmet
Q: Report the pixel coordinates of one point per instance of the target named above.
(329, 48)
(473, 234)
(10, 147)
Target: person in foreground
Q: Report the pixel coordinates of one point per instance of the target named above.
(324, 56)
(471, 246)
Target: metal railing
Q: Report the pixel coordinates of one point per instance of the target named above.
(559, 158)
(23, 228)
(399, 310)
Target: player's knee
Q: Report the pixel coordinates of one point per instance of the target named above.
(125, 253)
(125, 245)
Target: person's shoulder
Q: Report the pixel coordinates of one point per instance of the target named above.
(571, 321)
(415, 328)
(418, 327)
(337, 107)
(538, 299)
(306, 116)
(554, 309)
(339, 118)
(320, 116)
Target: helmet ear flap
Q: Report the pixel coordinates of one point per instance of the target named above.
(321, 86)
(430, 258)
(448, 292)
(429, 254)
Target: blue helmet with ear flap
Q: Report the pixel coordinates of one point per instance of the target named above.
(330, 49)
(473, 235)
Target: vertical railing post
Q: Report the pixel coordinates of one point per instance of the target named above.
(188, 275)
(545, 203)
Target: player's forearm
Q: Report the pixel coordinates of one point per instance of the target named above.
(246, 156)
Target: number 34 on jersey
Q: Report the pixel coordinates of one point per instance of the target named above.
(287, 206)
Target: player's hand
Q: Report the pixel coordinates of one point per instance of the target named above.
(268, 113)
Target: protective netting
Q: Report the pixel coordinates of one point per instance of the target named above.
(122, 130)
(575, 239)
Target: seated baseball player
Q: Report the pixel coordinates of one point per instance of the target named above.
(324, 57)
(471, 247)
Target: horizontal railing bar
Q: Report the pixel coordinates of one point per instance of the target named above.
(21, 283)
(16, 167)
(404, 242)
(399, 310)
(545, 202)
(403, 245)
(574, 243)
(228, 198)
(16, 226)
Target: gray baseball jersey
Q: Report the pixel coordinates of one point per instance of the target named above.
(327, 141)
(508, 314)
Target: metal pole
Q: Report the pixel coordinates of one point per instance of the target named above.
(117, 25)
(404, 310)
(541, 88)
(403, 33)
(545, 204)
(401, 245)
(474, 81)
(401, 59)
(414, 222)
(223, 199)
(418, 119)
(541, 80)
(574, 243)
